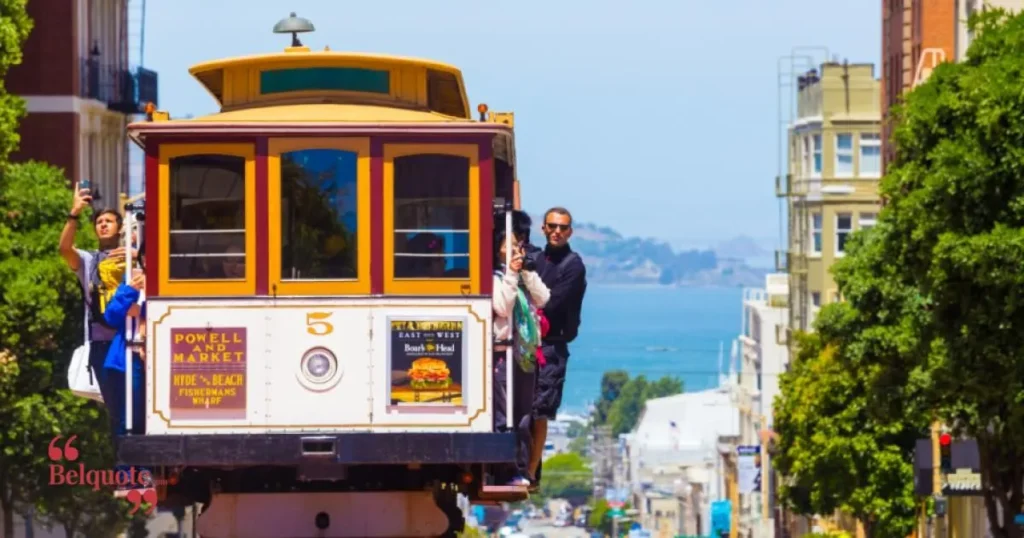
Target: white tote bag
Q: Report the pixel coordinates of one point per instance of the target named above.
(81, 379)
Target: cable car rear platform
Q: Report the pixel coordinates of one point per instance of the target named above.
(283, 449)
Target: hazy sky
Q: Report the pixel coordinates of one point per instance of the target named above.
(658, 118)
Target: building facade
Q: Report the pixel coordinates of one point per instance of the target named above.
(763, 356)
(80, 90)
(832, 186)
(918, 35)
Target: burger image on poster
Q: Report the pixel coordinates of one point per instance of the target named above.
(429, 373)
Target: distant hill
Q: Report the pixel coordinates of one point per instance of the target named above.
(615, 259)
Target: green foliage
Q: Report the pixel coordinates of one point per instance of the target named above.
(932, 322)
(600, 518)
(567, 476)
(15, 25)
(956, 235)
(612, 382)
(40, 326)
(599, 515)
(625, 411)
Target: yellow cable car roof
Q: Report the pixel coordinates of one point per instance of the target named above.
(301, 53)
(301, 75)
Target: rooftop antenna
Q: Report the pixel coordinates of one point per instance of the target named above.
(293, 25)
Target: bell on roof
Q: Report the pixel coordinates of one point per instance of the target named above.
(293, 25)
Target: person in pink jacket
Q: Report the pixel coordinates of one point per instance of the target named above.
(508, 283)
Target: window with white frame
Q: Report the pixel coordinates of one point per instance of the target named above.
(870, 154)
(817, 154)
(868, 220)
(844, 155)
(815, 298)
(816, 233)
(844, 226)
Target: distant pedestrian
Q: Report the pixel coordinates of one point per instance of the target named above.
(563, 272)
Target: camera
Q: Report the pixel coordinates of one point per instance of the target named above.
(530, 261)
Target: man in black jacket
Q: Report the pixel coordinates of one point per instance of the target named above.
(563, 272)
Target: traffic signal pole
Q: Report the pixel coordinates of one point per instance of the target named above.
(940, 459)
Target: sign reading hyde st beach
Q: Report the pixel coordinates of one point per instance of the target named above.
(208, 373)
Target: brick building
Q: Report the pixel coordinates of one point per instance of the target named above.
(917, 35)
(80, 91)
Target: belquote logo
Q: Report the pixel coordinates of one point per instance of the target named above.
(138, 483)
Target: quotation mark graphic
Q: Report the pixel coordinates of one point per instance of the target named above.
(69, 452)
(137, 497)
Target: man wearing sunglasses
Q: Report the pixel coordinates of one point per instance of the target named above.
(563, 272)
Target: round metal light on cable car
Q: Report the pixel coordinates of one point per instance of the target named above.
(319, 365)
(293, 25)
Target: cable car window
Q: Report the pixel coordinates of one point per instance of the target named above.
(207, 217)
(319, 214)
(431, 216)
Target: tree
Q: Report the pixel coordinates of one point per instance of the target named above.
(625, 411)
(856, 397)
(15, 25)
(40, 326)
(567, 476)
(955, 234)
(612, 382)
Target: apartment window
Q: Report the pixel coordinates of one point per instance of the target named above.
(816, 298)
(817, 154)
(868, 220)
(844, 226)
(844, 155)
(816, 233)
(870, 154)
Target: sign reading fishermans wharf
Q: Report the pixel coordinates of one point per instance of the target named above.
(208, 373)
(426, 361)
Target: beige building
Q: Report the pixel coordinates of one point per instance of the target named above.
(835, 162)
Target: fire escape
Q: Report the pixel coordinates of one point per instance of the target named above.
(115, 77)
(114, 80)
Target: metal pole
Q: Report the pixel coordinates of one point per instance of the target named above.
(128, 369)
(508, 350)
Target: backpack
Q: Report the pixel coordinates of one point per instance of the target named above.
(100, 292)
(527, 331)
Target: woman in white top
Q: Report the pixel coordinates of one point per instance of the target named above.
(507, 281)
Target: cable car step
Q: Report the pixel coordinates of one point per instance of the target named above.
(503, 493)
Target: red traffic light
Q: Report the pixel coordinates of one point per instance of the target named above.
(945, 439)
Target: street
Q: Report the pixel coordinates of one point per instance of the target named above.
(546, 527)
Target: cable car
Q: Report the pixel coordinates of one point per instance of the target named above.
(319, 259)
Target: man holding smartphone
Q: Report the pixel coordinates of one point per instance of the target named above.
(99, 271)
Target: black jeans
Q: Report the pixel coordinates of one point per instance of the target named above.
(523, 386)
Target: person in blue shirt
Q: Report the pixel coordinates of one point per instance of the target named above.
(125, 303)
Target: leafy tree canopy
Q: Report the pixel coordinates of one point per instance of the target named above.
(956, 234)
(567, 476)
(931, 323)
(40, 326)
(625, 411)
